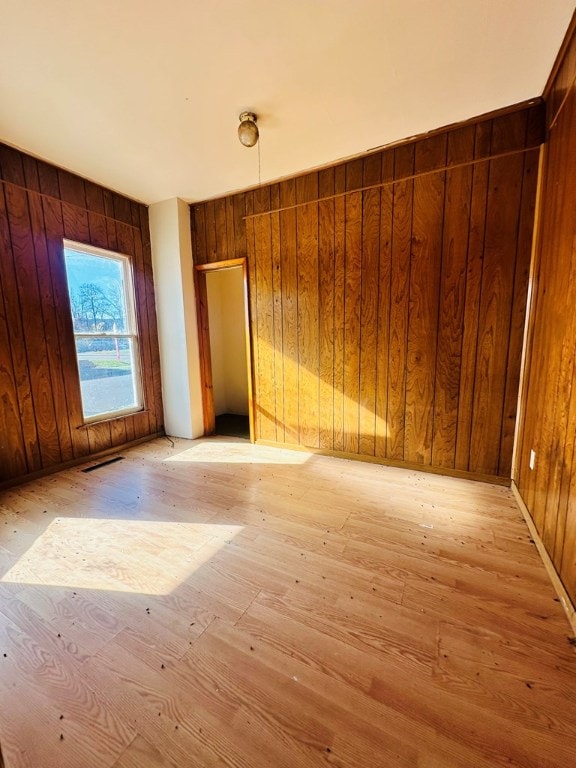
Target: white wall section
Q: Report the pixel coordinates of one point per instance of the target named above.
(176, 311)
(226, 314)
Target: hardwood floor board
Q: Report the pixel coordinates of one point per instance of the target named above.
(271, 690)
(282, 510)
(191, 744)
(320, 568)
(552, 669)
(42, 670)
(212, 603)
(501, 739)
(379, 727)
(302, 539)
(369, 633)
(424, 565)
(506, 694)
(278, 525)
(302, 642)
(489, 613)
(187, 604)
(139, 753)
(24, 717)
(182, 707)
(83, 622)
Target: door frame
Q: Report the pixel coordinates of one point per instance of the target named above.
(200, 272)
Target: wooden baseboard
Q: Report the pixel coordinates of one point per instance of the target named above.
(76, 462)
(494, 479)
(563, 595)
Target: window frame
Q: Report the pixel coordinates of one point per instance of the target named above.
(132, 330)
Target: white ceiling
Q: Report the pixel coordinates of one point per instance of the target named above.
(143, 96)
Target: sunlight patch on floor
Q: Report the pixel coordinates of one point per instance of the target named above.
(223, 452)
(137, 556)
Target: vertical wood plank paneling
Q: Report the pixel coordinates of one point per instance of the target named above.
(250, 230)
(425, 271)
(72, 189)
(370, 266)
(38, 417)
(326, 280)
(122, 208)
(143, 232)
(559, 438)
(94, 198)
(42, 415)
(98, 230)
(289, 270)
(518, 317)
(76, 225)
(475, 257)
(239, 205)
(502, 212)
(54, 223)
(31, 177)
(221, 230)
(230, 229)
(399, 300)
(339, 304)
(208, 414)
(352, 299)
(13, 461)
(548, 402)
(11, 166)
(127, 426)
(352, 303)
(99, 436)
(201, 248)
(49, 318)
(384, 304)
(452, 297)
(308, 334)
(276, 288)
(210, 231)
(130, 243)
(265, 343)
(371, 282)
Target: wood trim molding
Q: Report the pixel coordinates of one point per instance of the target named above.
(208, 415)
(79, 461)
(76, 206)
(391, 182)
(494, 114)
(560, 57)
(214, 266)
(563, 595)
(444, 471)
(200, 272)
(530, 312)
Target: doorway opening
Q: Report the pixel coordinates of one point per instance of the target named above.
(226, 370)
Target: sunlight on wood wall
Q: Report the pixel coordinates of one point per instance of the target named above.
(388, 295)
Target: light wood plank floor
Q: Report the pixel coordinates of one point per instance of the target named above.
(213, 603)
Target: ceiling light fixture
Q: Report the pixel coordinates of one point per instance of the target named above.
(248, 130)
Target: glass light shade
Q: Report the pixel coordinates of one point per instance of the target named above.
(248, 130)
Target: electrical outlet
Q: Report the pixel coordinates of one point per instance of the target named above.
(532, 463)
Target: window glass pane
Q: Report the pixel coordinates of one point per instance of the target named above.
(97, 293)
(107, 375)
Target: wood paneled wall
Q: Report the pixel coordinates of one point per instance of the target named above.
(388, 294)
(548, 415)
(40, 408)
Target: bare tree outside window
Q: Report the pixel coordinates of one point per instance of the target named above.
(102, 305)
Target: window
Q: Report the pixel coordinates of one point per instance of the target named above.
(102, 303)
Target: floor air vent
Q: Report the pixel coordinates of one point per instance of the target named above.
(103, 464)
